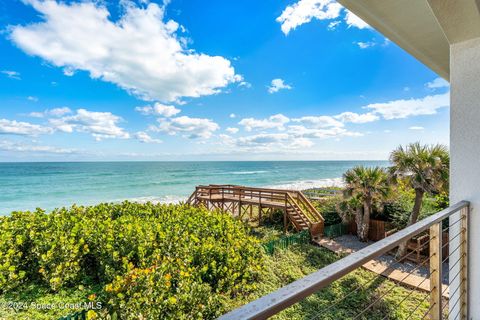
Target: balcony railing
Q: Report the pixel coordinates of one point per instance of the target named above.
(445, 252)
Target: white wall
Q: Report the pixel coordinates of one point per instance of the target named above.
(465, 154)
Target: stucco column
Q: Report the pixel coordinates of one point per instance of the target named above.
(465, 157)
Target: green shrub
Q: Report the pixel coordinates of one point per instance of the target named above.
(167, 290)
(108, 244)
(328, 209)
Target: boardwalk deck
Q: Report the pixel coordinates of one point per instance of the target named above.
(257, 203)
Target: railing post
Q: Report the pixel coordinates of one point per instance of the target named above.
(436, 271)
(464, 265)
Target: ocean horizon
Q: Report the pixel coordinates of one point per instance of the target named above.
(49, 185)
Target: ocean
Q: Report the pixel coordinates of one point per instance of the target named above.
(48, 185)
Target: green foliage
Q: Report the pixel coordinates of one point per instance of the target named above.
(365, 189)
(422, 167)
(399, 206)
(207, 254)
(286, 266)
(285, 241)
(328, 209)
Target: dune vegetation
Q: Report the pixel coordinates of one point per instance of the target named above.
(152, 261)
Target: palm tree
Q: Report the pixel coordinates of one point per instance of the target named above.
(425, 168)
(365, 187)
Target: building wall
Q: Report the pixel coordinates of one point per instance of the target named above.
(465, 155)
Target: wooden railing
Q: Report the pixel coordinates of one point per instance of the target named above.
(261, 197)
(455, 306)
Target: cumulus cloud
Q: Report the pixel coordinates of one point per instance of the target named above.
(365, 45)
(308, 132)
(276, 121)
(319, 121)
(357, 118)
(305, 11)
(101, 125)
(233, 115)
(416, 128)
(20, 147)
(438, 83)
(158, 109)
(22, 128)
(353, 20)
(191, 128)
(11, 74)
(232, 130)
(277, 85)
(56, 112)
(146, 138)
(271, 142)
(32, 98)
(399, 109)
(141, 52)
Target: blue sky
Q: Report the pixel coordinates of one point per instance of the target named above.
(210, 80)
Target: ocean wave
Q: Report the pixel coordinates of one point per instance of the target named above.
(169, 199)
(307, 184)
(246, 172)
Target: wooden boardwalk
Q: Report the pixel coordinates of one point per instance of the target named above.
(256, 203)
(382, 268)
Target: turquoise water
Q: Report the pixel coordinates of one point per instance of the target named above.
(26, 186)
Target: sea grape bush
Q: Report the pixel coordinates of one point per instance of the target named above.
(178, 260)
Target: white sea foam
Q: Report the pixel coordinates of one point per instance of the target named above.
(163, 199)
(294, 185)
(246, 172)
(308, 184)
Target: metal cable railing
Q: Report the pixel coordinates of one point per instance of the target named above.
(434, 287)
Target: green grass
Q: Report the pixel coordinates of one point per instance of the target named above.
(286, 266)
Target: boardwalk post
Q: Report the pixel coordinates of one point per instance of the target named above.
(436, 271)
(232, 199)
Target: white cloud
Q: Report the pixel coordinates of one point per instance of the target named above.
(232, 130)
(416, 128)
(140, 52)
(270, 142)
(273, 122)
(399, 109)
(365, 45)
(32, 98)
(353, 20)
(304, 11)
(158, 109)
(319, 121)
(22, 128)
(437, 83)
(11, 74)
(233, 115)
(19, 147)
(277, 85)
(245, 84)
(146, 138)
(333, 25)
(101, 125)
(335, 132)
(56, 112)
(357, 118)
(191, 128)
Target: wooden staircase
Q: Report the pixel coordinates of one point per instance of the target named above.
(240, 200)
